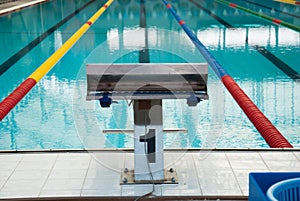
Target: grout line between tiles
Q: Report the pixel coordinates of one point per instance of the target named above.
(269, 169)
(84, 180)
(233, 172)
(42, 187)
(197, 174)
(12, 172)
(296, 156)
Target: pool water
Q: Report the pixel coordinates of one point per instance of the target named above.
(56, 115)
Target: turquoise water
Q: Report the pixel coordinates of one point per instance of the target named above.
(55, 114)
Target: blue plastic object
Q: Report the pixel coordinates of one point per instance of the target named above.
(286, 190)
(105, 101)
(260, 182)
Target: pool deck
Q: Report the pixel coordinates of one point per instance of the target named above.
(13, 6)
(202, 174)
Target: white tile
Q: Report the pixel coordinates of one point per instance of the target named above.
(85, 156)
(94, 173)
(188, 183)
(212, 164)
(141, 189)
(243, 179)
(208, 173)
(129, 161)
(210, 156)
(13, 157)
(277, 155)
(218, 183)
(68, 174)
(103, 168)
(5, 174)
(39, 157)
(181, 161)
(9, 165)
(183, 188)
(245, 191)
(19, 194)
(248, 165)
(282, 165)
(35, 165)
(29, 175)
(23, 185)
(70, 165)
(106, 183)
(242, 156)
(101, 192)
(111, 160)
(63, 184)
(59, 193)
(297, 154)
(221, 192)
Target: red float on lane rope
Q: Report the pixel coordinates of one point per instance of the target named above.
(232, 5)
(276, 21)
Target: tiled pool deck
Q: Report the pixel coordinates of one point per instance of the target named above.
(202, 173)
(16, 5)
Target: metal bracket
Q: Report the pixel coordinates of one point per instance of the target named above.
(127, 178)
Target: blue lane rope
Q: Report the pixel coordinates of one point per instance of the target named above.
(216, 66)
(267, 130)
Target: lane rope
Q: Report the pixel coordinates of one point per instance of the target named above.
(18, 94)
(261, 15)
(267, 130)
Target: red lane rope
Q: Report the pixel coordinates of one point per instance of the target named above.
(11, 101)
(267, 130)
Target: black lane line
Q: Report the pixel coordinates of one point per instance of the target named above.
(223, 22)
(263, 51)
(261, 5)
(144, 53)
(277, 62)
(17, 56)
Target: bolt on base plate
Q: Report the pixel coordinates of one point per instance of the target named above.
(127, 178)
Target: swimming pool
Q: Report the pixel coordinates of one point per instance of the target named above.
(55, 114)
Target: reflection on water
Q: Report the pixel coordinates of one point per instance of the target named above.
(55, 114)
